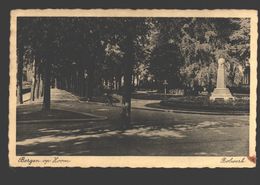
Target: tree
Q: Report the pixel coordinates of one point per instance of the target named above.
(199, 42)
(41, 35)
(20, 74)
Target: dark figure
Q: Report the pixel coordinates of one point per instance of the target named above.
(125, 117)
(109, 99)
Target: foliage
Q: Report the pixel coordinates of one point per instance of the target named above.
(183, 51)
(203, 103)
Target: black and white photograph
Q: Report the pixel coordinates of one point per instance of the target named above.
(133, 88)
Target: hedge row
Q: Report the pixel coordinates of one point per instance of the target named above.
(203, 103)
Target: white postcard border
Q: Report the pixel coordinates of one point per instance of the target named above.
(133, 161)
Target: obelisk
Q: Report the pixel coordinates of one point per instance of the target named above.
(221, 91)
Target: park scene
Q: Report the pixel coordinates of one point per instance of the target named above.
(132, 86)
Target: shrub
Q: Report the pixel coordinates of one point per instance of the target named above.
(152, 96)
(203, 103)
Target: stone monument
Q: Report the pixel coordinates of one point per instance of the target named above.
(221, 91)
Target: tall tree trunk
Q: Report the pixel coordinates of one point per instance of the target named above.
(133, 80)
(71, 82)
(90, 81)
(37, 88)
(128, 72)
(77, 82)
(137, 81)
(47, 90)
(56, 82)
(41, 85)
(119, 82)
(81, 83)
(34, 80)
(32, 97)
(20, 77)
(116, 84)
(66, 84)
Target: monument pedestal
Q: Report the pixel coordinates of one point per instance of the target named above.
(221, 93)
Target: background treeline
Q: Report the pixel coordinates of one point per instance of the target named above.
(86, 55)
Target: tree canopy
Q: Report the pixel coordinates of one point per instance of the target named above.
(183, 51)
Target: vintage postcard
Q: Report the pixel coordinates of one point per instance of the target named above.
(133, 88)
